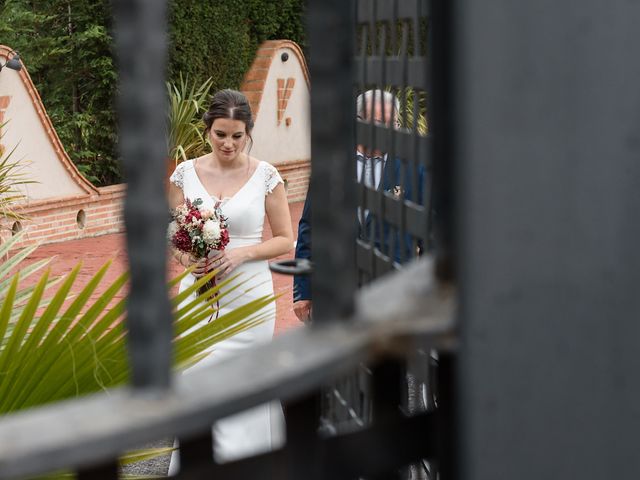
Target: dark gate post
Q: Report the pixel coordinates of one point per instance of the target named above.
(330, 28)
(548, 119)
(141, 52)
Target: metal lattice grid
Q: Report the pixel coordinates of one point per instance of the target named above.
(394, 216)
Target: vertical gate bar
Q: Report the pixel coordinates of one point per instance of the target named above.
(141, 51)
(548, 143)
(107, 471)
(196, 451)
(368, 227)
(304, 457)
(388, 394)
(447, 416)
(441, 131)
(333, 169)
(387, 389)
(373, 226)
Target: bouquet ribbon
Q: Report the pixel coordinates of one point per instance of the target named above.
(209, 284)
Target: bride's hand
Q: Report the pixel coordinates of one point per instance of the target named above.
(201, 266)
(226, 261)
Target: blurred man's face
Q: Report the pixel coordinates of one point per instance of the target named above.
(378, 117)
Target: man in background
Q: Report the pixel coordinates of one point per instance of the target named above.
(375, 170)
(302, 283)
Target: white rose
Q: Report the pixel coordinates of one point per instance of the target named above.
(172, 229)
(211, 231)
(181, 213)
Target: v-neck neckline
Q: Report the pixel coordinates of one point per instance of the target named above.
(227, 198)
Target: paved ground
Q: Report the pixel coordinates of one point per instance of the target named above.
(95, 252)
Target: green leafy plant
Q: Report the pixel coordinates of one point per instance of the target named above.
(413, 104)
(54, 348)
(11, 175)
(187, 103)
(55, 345)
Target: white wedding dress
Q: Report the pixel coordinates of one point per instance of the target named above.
(261, 428)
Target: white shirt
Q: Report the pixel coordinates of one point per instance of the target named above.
(373, 168)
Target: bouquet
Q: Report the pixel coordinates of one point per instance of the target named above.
(198, 231)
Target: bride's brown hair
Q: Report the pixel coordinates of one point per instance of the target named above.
(229, 104)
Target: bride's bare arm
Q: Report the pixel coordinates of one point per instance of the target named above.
(277, 210)
(175, 196)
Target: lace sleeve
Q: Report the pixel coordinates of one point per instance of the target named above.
(271, 177)
(177, 177)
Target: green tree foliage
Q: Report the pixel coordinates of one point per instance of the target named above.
(218, 40)
(67, 47)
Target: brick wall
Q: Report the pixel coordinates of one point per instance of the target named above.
(255, 78)
(57, 220)
(296, 176)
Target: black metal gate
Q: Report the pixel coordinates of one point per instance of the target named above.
(533, 114)
(348, 330)
(391, 74)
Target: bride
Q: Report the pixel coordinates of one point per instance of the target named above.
(246, 190)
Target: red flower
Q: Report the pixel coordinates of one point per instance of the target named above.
(182, 240)
(193, 213)
(224, 239)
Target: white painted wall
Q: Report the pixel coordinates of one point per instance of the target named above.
(34, 149)
(278, 143)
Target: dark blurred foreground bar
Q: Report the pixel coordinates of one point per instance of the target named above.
(141, 52)
(548, 141)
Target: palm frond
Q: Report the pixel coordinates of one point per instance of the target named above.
(12, 263)
(73, 350)
(49, 352)
(11, 175)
